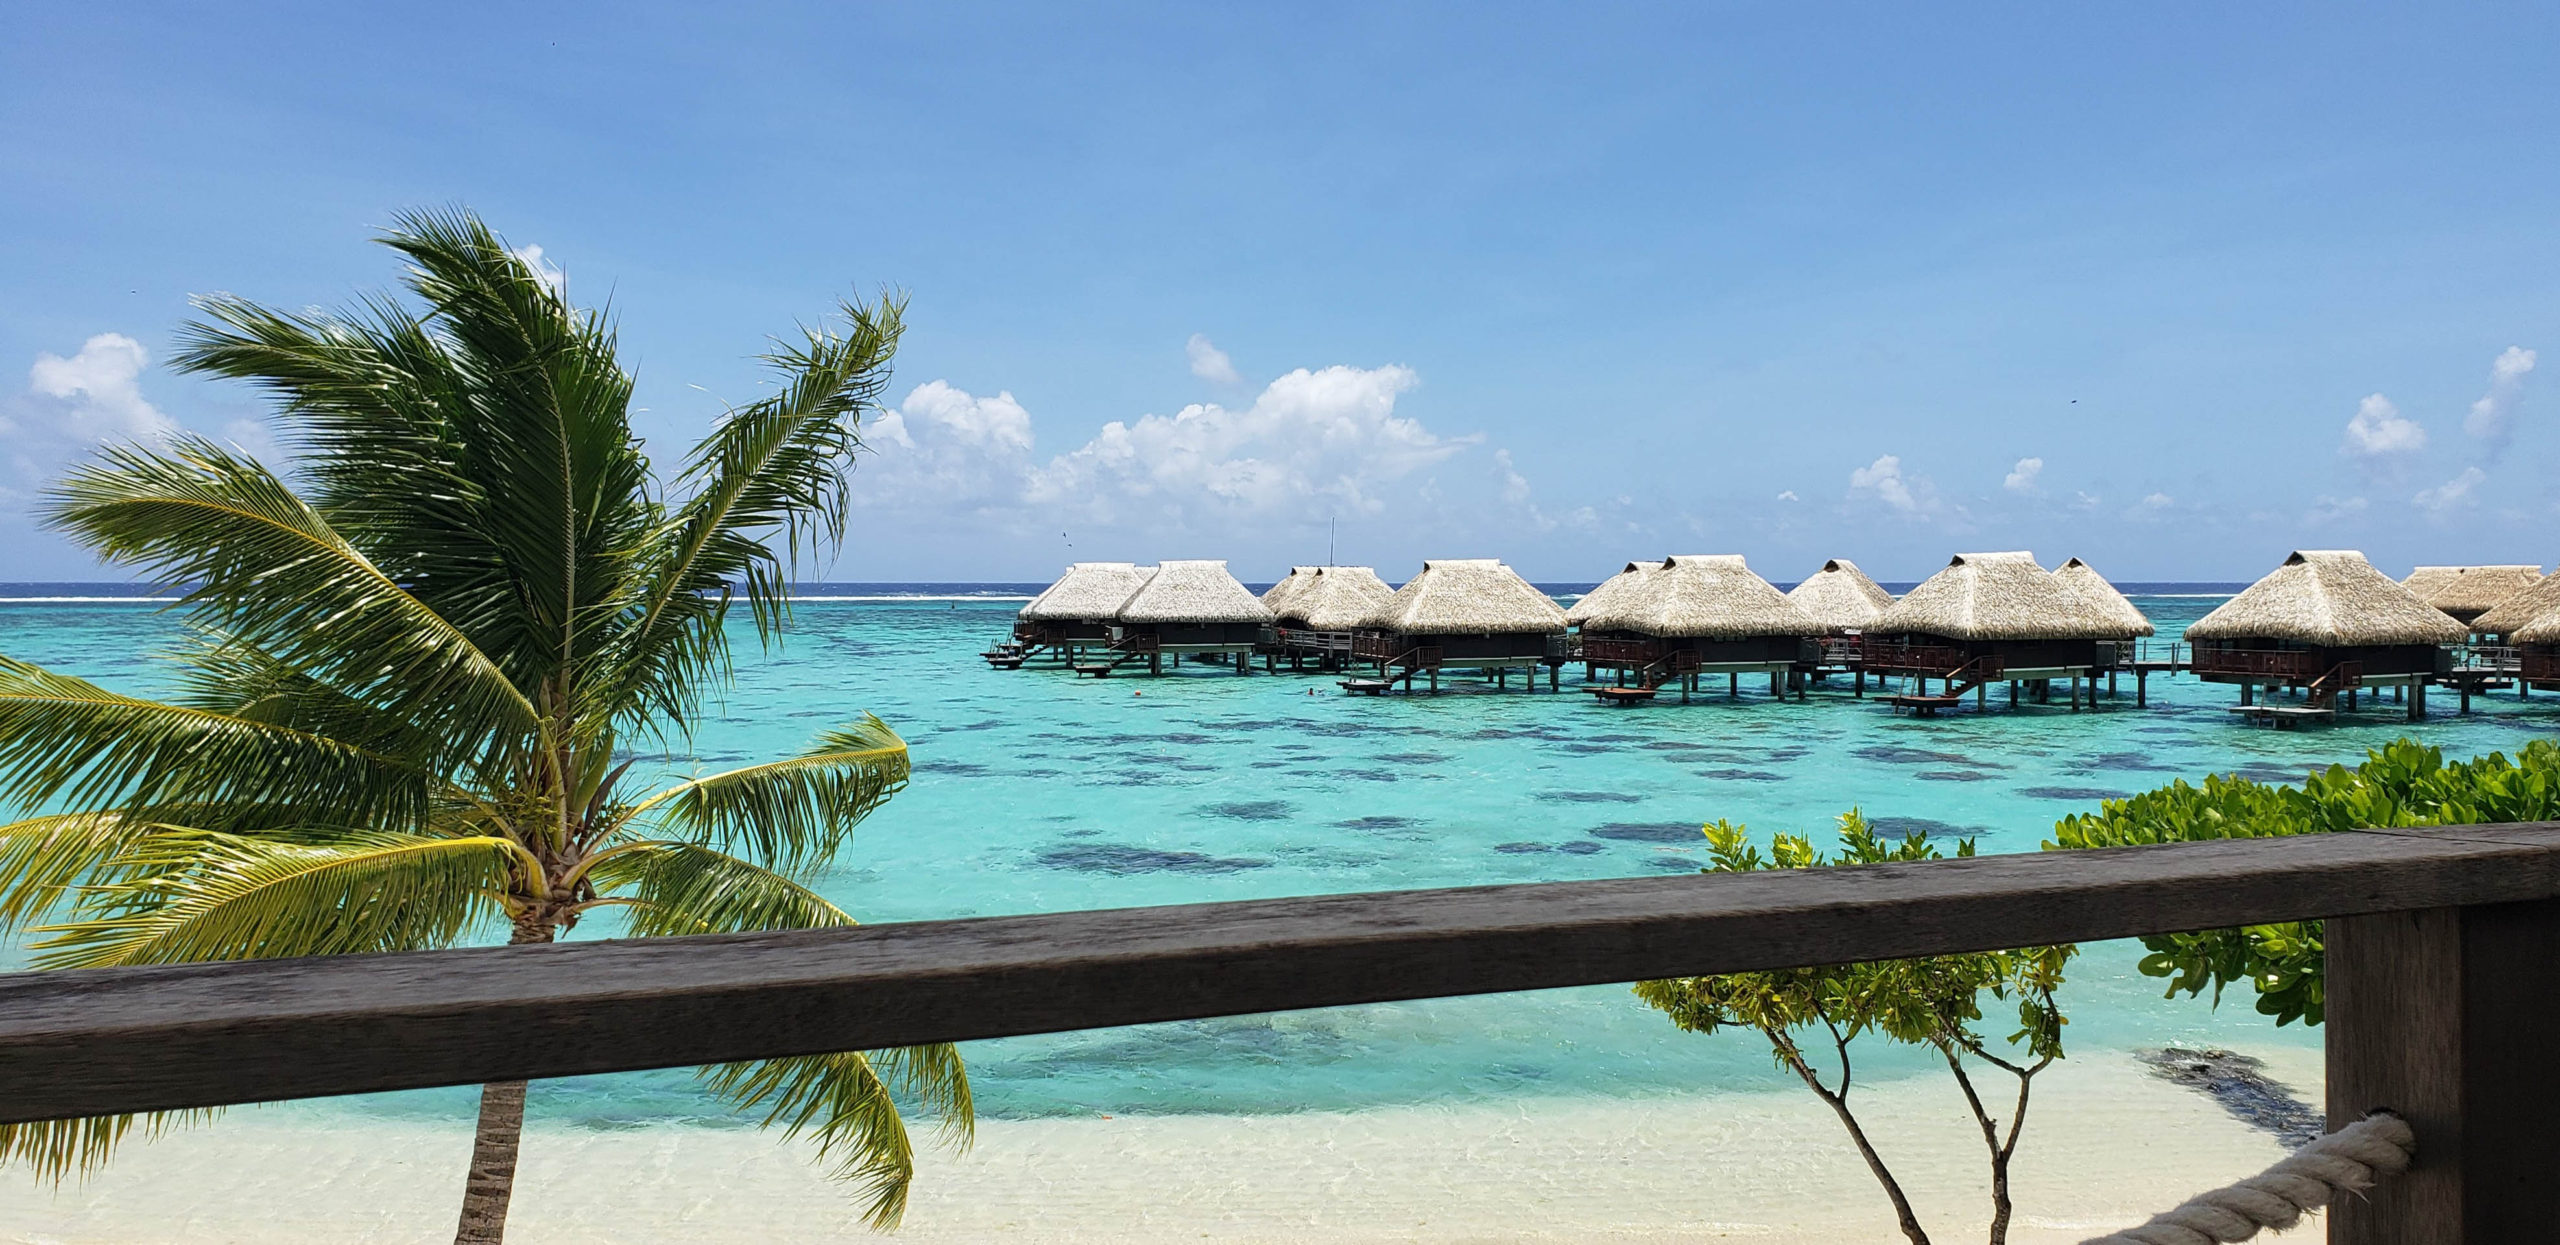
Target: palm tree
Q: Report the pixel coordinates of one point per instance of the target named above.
(420, 670)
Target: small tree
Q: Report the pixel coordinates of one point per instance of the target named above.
(2403, 783)
(1933, 1001)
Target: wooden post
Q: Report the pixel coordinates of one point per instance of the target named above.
(1777, 683)
(2417, 700)
(1858, 685)
(2447, 1016)
(2465, 685)
(2249, 693)
(1732, 683)
(2141, 688)
(1435, 680)
(2013, 693)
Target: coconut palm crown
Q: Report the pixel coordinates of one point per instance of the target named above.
(420, 670)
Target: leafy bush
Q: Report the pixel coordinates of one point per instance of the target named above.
(2403, 783)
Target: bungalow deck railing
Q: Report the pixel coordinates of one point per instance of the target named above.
(1897, 657)
(2542, 667)
(2443, 985)
(2269, 663)
(1607, 651)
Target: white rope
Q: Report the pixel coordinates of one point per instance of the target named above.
(2349, 1160)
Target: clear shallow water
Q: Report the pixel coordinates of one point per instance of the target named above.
(1036, 791)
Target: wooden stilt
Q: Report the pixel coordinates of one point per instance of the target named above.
(2141, 688)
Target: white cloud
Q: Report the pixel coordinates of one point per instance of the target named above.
(544, 270)
(95, 395)
(2379, 431)
(2492, 418)
(2083, 500)
(1789, 495)
(2327, 510)
(2453, 492)
(1210, 363)
(1883, 478)
(2152, 505)
(2022, 478)
(1515, 486)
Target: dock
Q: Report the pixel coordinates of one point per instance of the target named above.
(1367, 687)
(1625, 697)
(2283, 716)
(1925, 706)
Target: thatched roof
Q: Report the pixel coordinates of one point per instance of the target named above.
(1704, 596)
(1473, 596)
(1278, 594)
(1841, 596)
(1337, 598)
(2467, 592)
(2081, 578)
(2331, 598)
(2511, 615)
(1089, 591)
(1615, 586)
(1995, 596)
(1193, 592)
(2544, 629)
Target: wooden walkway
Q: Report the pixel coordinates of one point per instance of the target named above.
(2283, 715)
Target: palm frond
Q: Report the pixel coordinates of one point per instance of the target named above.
(686, 888)
(270, 571)
(54, 1149)
(795, 813)
(774, 469)
(43, 860)
(68, 740)
(189, 895)
(841, 1101)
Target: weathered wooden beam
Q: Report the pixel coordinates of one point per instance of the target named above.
(2449, 1016)
(114, 1040)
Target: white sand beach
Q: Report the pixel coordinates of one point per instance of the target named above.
(2108, 1144)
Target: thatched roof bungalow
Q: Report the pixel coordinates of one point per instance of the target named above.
(1296, 580)
(1334, 599)
(2324, 620)
(1990, 616)
(2080, 577)
(1463, 612)
(2538, 649)
(1078, 610)
(2510, 616)
(1698, 613)
(2467, 592)
(1190, 607)
(1841, 596)
(1621, 584)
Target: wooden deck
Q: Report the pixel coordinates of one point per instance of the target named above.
(1925, 706)
(2283, 715)
(1367, 687)
(1624, 697)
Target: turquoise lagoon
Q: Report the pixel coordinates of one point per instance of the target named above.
(1036, 791)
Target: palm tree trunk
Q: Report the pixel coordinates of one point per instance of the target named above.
(492, 1181)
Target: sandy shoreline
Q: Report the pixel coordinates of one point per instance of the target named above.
(2108, 1145)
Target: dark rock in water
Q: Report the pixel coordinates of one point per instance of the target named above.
(1121, 860)
(1647, 832)
(1742, 775)
(1671, 864)
(2241, 1084)
(1585, 749)
(2138, 762)
(1590, 797)
(1953, 775)
(2071, 793)
(950, 767)
(1926, 827)
(1896, 754)
(1581, 847)
(2277, 774)
(1378, 822)
(1249, 810)
(1410, 758)
(1521, 849)
(1679, 745)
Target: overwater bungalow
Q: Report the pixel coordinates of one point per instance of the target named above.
(1458, 614)
(1698, 614)
(1317, 619)
(1841, 597)
(1627, 580)
(2509, 616)
(1078, 610)
(1985, 618)
(2467, 592)
(2538, 650)
(2328, 624)
(1278, 594)
(1189, 608)
(2084, 579)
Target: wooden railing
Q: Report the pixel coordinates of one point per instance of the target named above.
(1607, 651)
(1394, 650)
(2271, 663)
(2338, 678)
(2538, 667)
(1898, 657)
(2443, 950)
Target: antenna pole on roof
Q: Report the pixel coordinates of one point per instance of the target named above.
(1328, 541)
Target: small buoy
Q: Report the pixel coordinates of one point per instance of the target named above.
(1137, 693)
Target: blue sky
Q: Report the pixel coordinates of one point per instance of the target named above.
(2174, 289)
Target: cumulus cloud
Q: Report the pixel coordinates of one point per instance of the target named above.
(1515, 486)
(543, 270)
(2452, 493)
(2022, 478)
(1883, 480)
(1312, 443)
(1210, 363)
(93, 396)
(2378, 431)
(2152, 505)
(2492, 418)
